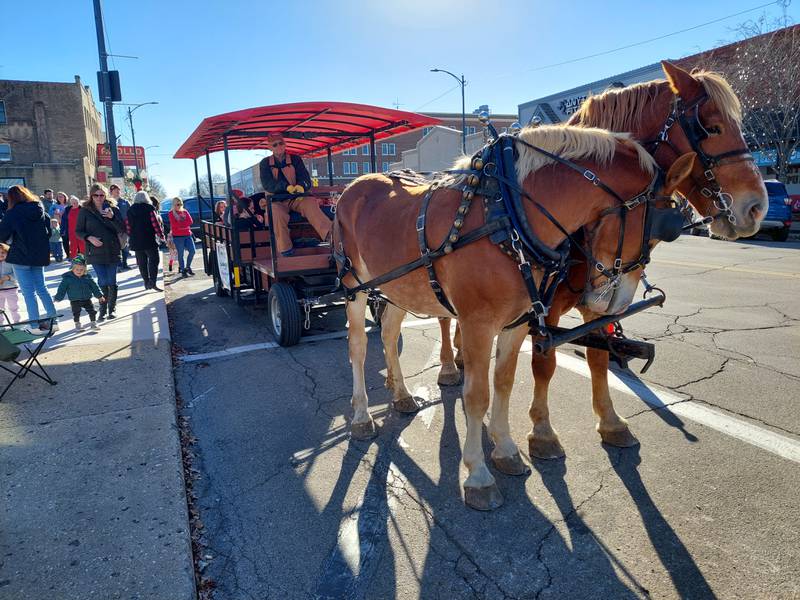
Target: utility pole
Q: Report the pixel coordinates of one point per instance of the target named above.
(111, 134)
(462, 82)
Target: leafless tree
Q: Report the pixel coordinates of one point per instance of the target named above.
(192, 189)
(764, 70)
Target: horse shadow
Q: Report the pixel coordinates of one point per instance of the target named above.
(688, 580)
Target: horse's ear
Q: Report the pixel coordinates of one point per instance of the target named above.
(680, 170)
(681, 81)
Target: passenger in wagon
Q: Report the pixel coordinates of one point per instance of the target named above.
(285, 173)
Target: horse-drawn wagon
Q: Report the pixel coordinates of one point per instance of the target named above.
(241, 259)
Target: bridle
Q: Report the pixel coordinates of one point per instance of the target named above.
(687, 115)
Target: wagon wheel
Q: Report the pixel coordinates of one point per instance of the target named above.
(376, 311)
(285, 319)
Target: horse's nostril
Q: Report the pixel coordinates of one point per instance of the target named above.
(757, 211)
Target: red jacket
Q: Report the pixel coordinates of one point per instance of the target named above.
(181, 224)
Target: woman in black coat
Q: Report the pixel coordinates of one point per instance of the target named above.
(27, 227)
(145, 231)
(100, 225)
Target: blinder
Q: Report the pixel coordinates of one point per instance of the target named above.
(663, 224)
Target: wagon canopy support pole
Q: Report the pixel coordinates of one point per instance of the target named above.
(237, 250)
(330, 168)
(200, 209)
(372, 158)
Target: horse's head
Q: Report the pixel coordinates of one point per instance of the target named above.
(627, 236)
(725, 182)
(690, 112)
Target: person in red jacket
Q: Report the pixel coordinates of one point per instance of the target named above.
(180, 223)
(76, 245)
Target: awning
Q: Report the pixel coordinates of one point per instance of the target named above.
(309, 128)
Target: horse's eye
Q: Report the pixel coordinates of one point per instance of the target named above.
(714, 130)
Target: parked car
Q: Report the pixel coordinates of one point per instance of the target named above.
(778, 220)
(190, 204)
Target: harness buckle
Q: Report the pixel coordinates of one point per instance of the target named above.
(706, 192)
(590, 176)
(600, 267)
(709, 173)
(420, 223)
(617, 264)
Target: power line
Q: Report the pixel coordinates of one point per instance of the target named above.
(641, 43)
(437, 97)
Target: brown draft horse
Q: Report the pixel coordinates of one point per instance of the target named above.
(375, 229)
(642, 109)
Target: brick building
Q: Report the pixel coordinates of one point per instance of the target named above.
(353, 162)
(49, 133)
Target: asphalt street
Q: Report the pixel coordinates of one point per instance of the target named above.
(707, 506)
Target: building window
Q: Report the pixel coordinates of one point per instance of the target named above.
(365, 167)
(7, 182)
(388, 149)
(365, 149)
(471, 130)
(385, 167)
(350, 168)
(5, 152)
(426, 131)
(353, 168)
(2, 112)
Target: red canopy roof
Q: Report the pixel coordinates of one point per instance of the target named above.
(308, 127)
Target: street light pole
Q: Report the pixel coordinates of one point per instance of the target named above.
(108, 103)
(462, 82)
(133, 134)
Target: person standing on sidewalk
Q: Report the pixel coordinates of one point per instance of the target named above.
(99, 225)
(123, 206)
(180, 225)
(68, 223)
(56, 249)
(28, 228)
(77, 285)
(47, 201)
(145, 234)
(8, 286)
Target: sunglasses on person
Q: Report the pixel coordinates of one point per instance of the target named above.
(276, 144)
(98, 195)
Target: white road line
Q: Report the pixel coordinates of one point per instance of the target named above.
(190, 358)
(777, 444)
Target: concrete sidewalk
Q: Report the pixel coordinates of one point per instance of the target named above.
(93, 499)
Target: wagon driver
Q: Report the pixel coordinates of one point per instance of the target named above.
(285, 173)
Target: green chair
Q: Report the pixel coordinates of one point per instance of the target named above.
(14, 337)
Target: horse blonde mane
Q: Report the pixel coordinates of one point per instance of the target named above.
(622, 109)
(571, 143)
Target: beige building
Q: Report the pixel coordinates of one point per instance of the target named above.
(49, 133)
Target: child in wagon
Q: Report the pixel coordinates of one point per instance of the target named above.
(77, 285)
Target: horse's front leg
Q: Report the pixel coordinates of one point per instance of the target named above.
(612, 428)
(362, 427)
(391, 322)
(505, 455)
(448, 373)
(543, 441)
(480, 489)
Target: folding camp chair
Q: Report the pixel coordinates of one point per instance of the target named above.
(15, 335)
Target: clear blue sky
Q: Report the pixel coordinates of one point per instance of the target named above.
(203, 57)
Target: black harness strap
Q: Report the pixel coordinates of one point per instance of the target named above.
(425, 252)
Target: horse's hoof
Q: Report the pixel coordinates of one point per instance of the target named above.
(449, 378)
(363, 431)
(622, 438)
(511, 465)
(483, 498)
(406, 405)
(547, 448)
